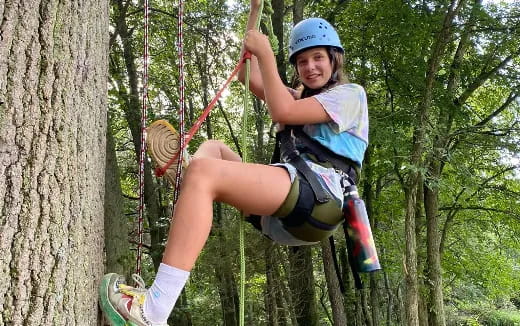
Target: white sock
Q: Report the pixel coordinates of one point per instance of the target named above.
(164, 292)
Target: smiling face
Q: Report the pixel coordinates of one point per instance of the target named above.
(314, 67)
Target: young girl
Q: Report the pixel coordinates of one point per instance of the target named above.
(323, 132)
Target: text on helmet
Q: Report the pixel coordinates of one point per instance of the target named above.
(305, 38)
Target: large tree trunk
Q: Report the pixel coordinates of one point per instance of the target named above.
(275, 290)
(53, 80)
(367, 315)
(410, 263)
(434, 281)
(369, 196)
(419, 139)
(420, 226)
(390, 302)
(271, 291)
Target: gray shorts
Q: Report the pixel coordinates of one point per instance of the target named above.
(273, 228)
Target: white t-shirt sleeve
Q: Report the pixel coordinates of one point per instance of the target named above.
(345, 104)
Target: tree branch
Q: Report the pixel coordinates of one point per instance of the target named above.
(483, 77)
(512, 96)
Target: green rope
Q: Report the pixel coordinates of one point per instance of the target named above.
(245, 159)
(266, 16)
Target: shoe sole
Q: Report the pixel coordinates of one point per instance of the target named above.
(110, 312)
(162, 141)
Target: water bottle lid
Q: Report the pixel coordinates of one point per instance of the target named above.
(351, 191)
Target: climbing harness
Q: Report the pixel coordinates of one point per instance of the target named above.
(311, 215)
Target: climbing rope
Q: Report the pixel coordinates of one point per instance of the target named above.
(242, 220)
(180, 50)
(144, 110)
(184, 139)
(245, 117)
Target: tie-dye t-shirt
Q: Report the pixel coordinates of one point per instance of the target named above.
(347, 133)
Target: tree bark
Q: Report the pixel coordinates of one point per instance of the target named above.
(53, 80)
(335, 296)
(350, 295)
(227, 286)
(118, 256)
(302, 285)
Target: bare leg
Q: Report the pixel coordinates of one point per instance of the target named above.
(216, 149)
(255, 188)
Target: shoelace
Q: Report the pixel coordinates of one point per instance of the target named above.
(136, 292)
(139, 281)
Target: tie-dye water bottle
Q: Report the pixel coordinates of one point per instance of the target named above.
(360, 239)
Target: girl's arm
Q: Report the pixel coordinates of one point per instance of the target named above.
(282, 106)
(255, 80)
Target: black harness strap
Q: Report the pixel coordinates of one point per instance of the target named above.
(293, 142)
(303, 207)
(305, 144)
(336, 264)
(291, 155)
(352, 261)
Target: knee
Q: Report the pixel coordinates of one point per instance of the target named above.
(198, 173)
(212, 143)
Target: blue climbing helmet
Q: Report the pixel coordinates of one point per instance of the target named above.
(312, 32)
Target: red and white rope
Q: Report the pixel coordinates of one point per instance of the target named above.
(144, 110)
(159, 171)
(182, 140)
